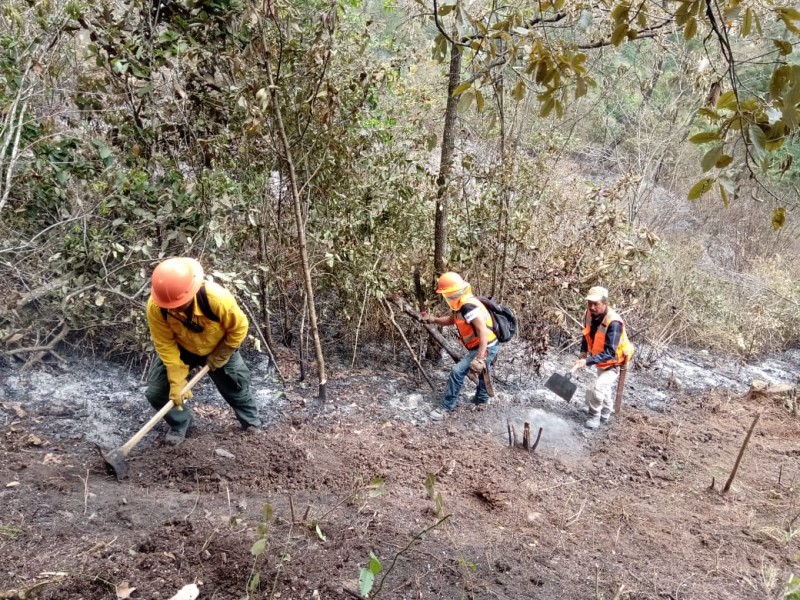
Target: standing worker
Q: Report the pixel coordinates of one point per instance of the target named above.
(604, 345)
(194, 322)
(474, 323)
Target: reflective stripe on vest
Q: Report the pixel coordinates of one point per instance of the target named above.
(469, 336)
(596, 345)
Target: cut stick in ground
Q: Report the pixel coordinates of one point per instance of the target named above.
(741, 453)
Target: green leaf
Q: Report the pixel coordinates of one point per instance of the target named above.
(784, 47)
(255, 581)
(709, 113)
(462, 88)
(778, 217)
(519, 91)
(375, 565)
(257, 549)
(319, 533)
(267, 510)
(479, 100)
(580, 88)
(747, 22)
(704, 137)
(700, 188)
(724, 195)
(620, 33)
(690, 29)
(758, 140)
(430, 141)
(723, 161)
(366, 579)
(710, 158)
(547, 107)
(465, 101)
(727, 100)
(780, 77)
(376, 487)
(728, 186)
(430, 485)
(446, 9)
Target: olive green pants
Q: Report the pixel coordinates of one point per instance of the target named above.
(232, 381)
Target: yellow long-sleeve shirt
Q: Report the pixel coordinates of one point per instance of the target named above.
(168, 334)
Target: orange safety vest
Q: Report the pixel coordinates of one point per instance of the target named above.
(469, 335)
(596, 345)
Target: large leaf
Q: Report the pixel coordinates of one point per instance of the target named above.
(778, 217)
(462, 88)
(710, 158)
(465, 101)
(757, 141)
(700, 188)
(727, 100)
(704, 137)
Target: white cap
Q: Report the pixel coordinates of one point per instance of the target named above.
(597, 294)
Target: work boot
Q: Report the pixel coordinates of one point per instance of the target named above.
(437, 414)
(252, 430)
(177, 434)
(593, 422)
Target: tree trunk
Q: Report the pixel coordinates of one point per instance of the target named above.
(301, 233)
(440, 258)
(263, 290)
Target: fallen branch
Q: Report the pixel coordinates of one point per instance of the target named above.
(406, 308)
(40, 351)
(390, 314)
(741, 453)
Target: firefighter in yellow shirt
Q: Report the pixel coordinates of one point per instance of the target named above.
(192, 323)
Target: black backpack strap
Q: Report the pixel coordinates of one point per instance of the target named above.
(205, 306)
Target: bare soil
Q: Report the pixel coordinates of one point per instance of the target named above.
(624, 512)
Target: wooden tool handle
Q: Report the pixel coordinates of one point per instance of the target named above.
(623, 370)
(129, 445)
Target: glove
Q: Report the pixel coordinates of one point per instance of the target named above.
(219, 356)
(176, 396)
(426, 318)
(477, 365)
(579, 364)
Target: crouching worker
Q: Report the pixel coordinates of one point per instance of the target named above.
(194, 322)
(474, 323)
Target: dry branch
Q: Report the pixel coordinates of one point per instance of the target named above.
(390, 314)
(406, 308)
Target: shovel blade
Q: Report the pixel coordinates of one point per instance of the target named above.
(561, 385)
(116, 462)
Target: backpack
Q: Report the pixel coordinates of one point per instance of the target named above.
(205, 308)
(504, 321)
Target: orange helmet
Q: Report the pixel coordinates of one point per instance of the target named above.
(176, 281)
(450, 283)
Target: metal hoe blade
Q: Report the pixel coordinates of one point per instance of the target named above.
(561, 385)
(116, 462)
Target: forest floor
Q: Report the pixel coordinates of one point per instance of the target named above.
(626, 512)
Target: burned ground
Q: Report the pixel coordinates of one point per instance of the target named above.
(626, 512)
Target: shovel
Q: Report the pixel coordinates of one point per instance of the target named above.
(116, 459)
(561, 385)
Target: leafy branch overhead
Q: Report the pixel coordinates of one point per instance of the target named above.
(549, 48)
